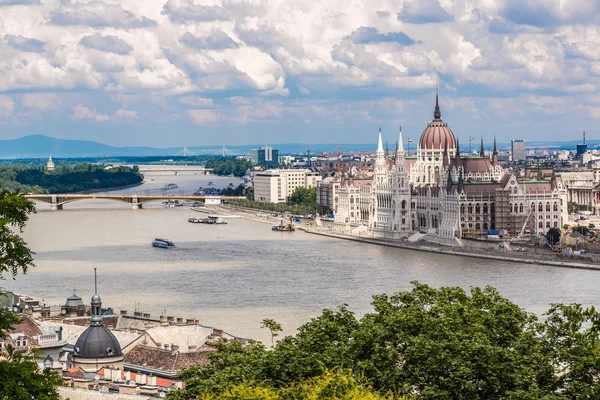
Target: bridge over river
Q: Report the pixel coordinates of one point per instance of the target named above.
(56, 201)
(173, 168)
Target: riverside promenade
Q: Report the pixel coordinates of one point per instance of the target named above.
(461, 252)
(521, 258)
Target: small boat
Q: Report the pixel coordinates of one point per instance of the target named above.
(194, 220)
(160, 244)
(284, 228)
(170, 186)
(210, 184)
(166, 241)
(217, 220)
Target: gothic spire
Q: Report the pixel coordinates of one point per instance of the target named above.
(380, 144)
(481, 151)
(495, 148)
(437, 114)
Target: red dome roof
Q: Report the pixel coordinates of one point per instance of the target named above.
(436, 136)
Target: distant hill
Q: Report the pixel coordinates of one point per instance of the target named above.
(40, 146)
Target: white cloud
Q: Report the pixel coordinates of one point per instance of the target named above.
(203, 117)
(126, 114)
(83, 112)
(256, 61)
(109, 43)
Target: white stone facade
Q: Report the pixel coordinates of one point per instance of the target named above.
(276, 185)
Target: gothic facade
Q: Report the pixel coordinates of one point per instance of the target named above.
(447, 195)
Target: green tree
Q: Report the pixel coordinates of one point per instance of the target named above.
(250, 193)
(424, 343)
(571, 207)
(553, 236)
(273, 326)
(19, 374)
(584, 230)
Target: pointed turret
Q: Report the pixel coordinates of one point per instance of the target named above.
(446, 155)
(457, 160)
(437, 114)
(495, 154)
(96, 304)
(481, 151)
(380, 144)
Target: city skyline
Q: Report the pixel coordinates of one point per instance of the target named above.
(183, 72)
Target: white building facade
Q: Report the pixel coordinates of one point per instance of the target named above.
(276, 185)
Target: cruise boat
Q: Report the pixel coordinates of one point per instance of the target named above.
(165, 241)
(170, 186)
(160, 244)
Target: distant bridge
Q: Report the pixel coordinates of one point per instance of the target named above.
(175, 168)
(56, 201)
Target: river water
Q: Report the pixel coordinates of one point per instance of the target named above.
(232, 276)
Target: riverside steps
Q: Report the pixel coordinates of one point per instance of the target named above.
(521, 259)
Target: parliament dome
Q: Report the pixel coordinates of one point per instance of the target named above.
(437, 135)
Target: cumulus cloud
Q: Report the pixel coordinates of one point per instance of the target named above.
(543, 13)
(82, 112)
(203, 117)
(126, 114)
(423, 12)
(367, 34)
(215, 41)
(25, 44)
(109, 43)
(97, 13)
(222, 62)
(188, 10)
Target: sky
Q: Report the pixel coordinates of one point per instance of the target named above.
(198, 72)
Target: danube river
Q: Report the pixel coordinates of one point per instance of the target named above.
(232, 276)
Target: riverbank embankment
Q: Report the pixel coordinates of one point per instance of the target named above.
(455, 251)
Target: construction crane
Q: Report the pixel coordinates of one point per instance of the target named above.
(525, 224)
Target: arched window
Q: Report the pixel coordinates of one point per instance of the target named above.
(540, 208)
(541, 224)
(403, 205)
(470, 207)
(548, 207)
(555, 206)
(462, 209)
(485, 226)
(485, 208)
(478, 226)
(521, 208)
(477, 209)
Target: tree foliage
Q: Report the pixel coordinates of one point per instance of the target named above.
(424, 343)
(78, 178)
(228, 166)
(553, 236)
(20, 378)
